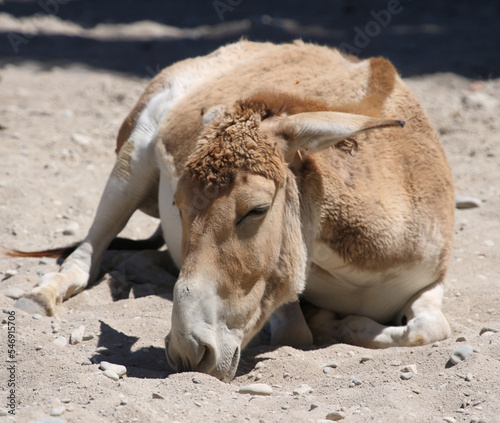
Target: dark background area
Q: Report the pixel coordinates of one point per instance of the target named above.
(425, 36)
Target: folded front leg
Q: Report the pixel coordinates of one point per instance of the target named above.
(132, 179)
(420, 322)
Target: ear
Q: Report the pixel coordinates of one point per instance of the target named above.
(316, 131)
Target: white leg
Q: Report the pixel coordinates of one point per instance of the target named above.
(422, 322)
(129, 184)
(289, 327)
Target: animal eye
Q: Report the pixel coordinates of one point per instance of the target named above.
(257, 211)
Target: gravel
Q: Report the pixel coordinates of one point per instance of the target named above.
(302, 389)
(336, 416)
(256, 389)
(9, 273)
(71, 229)
(487, 329)
(118, 369)
(460, 354)
(14, 293)
(111, 374)
(57, 411)
(467, 202)
(60, 341)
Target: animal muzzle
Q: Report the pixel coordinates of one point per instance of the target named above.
(198, 340)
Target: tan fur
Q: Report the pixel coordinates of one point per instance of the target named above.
(368, 213)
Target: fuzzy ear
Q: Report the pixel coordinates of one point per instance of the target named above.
(316, 131)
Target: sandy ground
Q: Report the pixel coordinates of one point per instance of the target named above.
(57, 129)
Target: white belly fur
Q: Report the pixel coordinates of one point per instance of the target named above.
(340, 287)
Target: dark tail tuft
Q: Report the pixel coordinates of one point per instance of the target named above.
(53, 253)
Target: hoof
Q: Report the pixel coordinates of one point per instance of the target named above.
(30, 306)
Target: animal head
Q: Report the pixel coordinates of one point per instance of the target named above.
(243, 248)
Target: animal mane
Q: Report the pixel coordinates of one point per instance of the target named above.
(233, 141)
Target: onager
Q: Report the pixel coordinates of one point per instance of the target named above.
(280, 171)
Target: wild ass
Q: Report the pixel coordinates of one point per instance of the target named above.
(279, 171)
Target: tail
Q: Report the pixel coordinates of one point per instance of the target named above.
(152, 243)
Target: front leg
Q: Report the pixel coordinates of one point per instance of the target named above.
(130, 182)
(422, 322)
(289, 327)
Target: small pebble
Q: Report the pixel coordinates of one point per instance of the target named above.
(335, 416)
(313, 406)
(124, 401)
(66, 400)
(332, 364)
(302, 389)
(9, 273)
(256, 389)
(197, 381)
(285, 407)
(460, 354)
(115, 368)
(111, 374)
(326, 369)
(406, 375)
(38, 348)
(80, 140)
(411, 368)
(461, 339)
(157, 396)
(469, 377)
(60, 341)
(57, 411)
(449, 420)
(14, 293)
(467, 202)
(44, 261)
(365, 358)
(37, 316)
(356, 381)
(77, 335)
(487, 329)
(88, 336)
(102, 350)
(71, 229)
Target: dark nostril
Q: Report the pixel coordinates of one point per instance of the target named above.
(207, 359)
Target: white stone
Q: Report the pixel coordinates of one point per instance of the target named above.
(60, 341)
(406, 375)
(80, 140)
(256, 389)
(71, 229)
(116, 368)
(111, 374)
(411, 368)
(14, 292)
(57, 411)
(302, 389)
(9, 273)
(460, 354)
